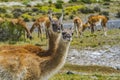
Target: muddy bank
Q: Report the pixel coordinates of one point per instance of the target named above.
(105, 56)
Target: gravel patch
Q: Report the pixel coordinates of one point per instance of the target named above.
(106, 56)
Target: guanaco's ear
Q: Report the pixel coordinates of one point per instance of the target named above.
(61, 18)
(50, 15)
(49, 32)
(71, 30)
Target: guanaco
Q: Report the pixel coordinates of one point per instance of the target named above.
(78, 25)
(45, 22)
(21, 64)
(22, 23)
(95, 20)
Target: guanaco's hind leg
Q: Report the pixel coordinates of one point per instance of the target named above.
(104, 28)
(40, 32)
(92, 29)
(76, 29)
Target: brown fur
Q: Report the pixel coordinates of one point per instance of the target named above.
(94, 19)
(78, 25)
(38, 24)
(22, 23)
(19, 21)
(21, 63)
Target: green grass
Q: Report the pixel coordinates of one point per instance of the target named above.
(97, 39)
(92, 72)
(84, 77)
(90, 69)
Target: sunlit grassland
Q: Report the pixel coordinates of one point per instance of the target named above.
(92, 72)
(84, 77)
(95, 40)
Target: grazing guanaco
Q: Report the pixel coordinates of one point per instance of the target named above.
(39, 24)
(45, 22)
(19, 21)
(94, 20)
(78, 25)
(21, 64)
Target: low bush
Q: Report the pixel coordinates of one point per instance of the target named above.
(86, 10)
(2, 10)
(59, 4)
(118, 14)
(97, 9)
(9, 15)
(26, 17)
(106, 13)
(106, 3)
(8, 31)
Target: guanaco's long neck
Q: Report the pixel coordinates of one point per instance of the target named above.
(57, 60)
(23, 24)
(61, 53)
(26, 29)
(53, 43)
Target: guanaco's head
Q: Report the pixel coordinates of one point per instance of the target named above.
(56, 24)
(86, 25)
(29, 36)
(67, 34)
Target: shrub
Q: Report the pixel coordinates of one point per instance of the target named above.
(50, 2)
(10, 32)
(106, 3)
(89, 1)
(25, 2)
(9, 15)
(58, 4)
(3, 10)
(5, 0)
(35, 9)
(106, 13)
(107, 0)
(97, 9)
(17, 14)
(38, 5)
(70, 1)
(73, 9)
(71, 16)
(118, 14)
(26, 17)
(86, 10)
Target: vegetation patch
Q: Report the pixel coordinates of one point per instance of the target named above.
(90, 72)
(97, 39)
(10, 32)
